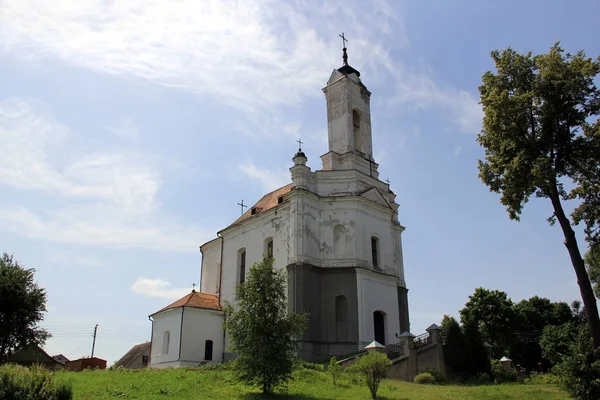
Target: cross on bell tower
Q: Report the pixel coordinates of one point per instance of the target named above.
(348, 120)
(345, 55)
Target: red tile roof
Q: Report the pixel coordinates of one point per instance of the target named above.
(267, 202)
(195, 299)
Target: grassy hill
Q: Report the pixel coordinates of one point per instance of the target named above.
(309, 384)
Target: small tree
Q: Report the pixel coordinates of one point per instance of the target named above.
(579, 366)
(261, 330)
(374, 367)
(22, 307)
(335, 369)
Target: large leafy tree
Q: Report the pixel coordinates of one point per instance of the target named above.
(22, 307)
(540, 131)
(534, 315)
(261, 330)
(491, 312)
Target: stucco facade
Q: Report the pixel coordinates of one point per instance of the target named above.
(187, 332)
(334, 230)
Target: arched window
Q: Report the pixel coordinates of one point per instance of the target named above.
(356, 126)
(379, 326)
(341, 318)
(242, 266)
(375, 251)
(166, 342)
(208, 350)
(268, 247)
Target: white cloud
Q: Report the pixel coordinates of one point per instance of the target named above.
(252, 55)
(126, 128)
(158, 288)
(421, 91)
(102, 198)
(269, 179)
(457, 151)
(243, 53)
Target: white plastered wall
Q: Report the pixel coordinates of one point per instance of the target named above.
(377, 293)
(211, 257)
(169, 320)
(200, 325)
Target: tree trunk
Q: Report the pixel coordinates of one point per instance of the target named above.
(583, 280)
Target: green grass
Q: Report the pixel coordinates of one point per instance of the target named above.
(308, 384)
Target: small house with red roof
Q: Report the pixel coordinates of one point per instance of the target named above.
(187, 332)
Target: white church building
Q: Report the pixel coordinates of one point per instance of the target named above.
(334, 230)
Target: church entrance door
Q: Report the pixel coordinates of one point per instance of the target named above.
(379, 326)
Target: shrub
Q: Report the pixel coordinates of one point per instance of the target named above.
(425, 378)
(35, 383)
(440, 377)
(335, 369)
(373, 367)
(542, 379)
(481, 378)
(580, 368)
(502, 376)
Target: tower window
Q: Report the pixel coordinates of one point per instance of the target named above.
(356, 126)
(242, 267)
(375, 251)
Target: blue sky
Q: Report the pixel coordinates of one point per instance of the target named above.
(130, 129)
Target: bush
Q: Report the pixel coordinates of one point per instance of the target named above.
(580, 368)
(481, 378)
(440, 377)
(536, 378)
(335, 369)
(35, 383)
(425, 378)
(502, 376)
(373, 367)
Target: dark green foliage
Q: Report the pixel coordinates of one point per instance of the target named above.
(425, 378)
(440, 377)
(540, 131)
(373, 366)
(262, 332)
(500, 375)
(35, 383)
(592, 263)
(22, 307)
(477, 353)
(556, 341)
(493, 315)
(579, 369)
(464, 352)
(533, 315)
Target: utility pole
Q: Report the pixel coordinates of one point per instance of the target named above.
(94, 342)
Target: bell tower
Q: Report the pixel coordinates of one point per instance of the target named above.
(348, 122)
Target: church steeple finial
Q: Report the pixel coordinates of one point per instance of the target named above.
(345, 54)
(346, 69)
